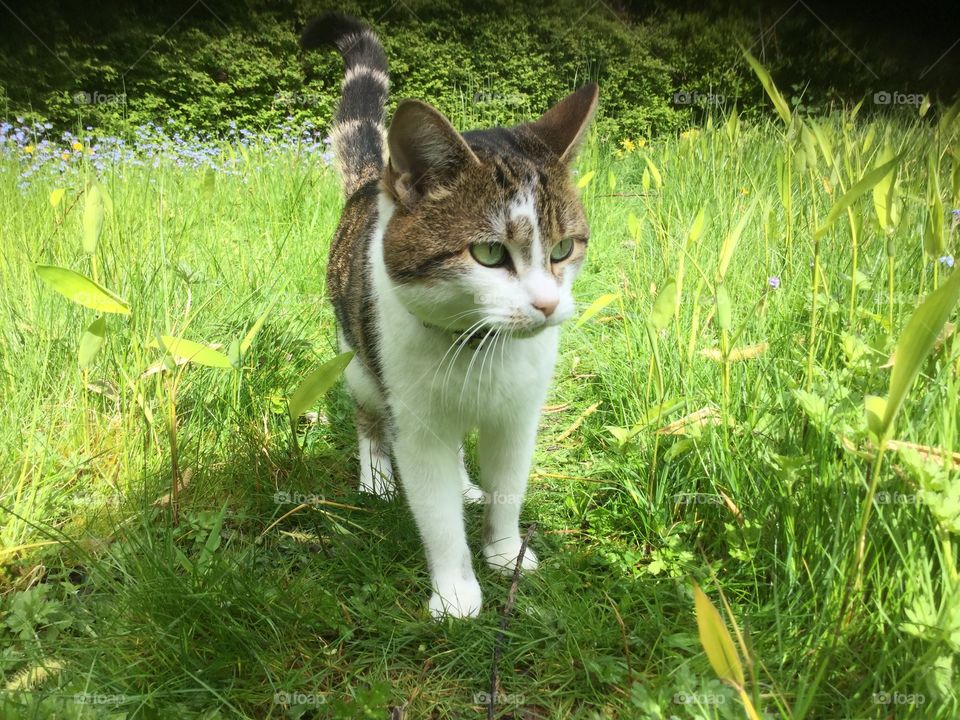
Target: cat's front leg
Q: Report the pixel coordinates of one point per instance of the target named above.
(431, 473)
(505, 451)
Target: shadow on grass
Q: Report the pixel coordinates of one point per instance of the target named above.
(263, 608)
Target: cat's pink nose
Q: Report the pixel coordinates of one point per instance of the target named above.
(546, 305)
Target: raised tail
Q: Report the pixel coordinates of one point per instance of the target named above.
(358, 124)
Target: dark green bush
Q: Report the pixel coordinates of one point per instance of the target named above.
(497, 62)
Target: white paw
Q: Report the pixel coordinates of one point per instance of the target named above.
(457, 599)
(501, 556)
(376, 477)
(472, 493)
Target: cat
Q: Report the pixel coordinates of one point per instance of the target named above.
(450, 273)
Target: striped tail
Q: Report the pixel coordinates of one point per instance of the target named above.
(358, 124)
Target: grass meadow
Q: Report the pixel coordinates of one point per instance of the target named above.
(717, 417)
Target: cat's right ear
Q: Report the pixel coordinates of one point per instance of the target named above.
(425, 151)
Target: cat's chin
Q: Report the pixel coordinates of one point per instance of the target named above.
(524, 333)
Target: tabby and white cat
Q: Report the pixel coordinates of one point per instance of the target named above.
(450, 273)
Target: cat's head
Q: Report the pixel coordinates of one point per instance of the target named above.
(487, 230)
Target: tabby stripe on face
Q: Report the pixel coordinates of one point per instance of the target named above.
(436, 267)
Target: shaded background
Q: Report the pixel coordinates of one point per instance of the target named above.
(661, 65)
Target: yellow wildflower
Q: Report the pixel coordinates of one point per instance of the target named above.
(744, 191)
(628, 145)
(65, 156)
(641, 142)
(78, 146)
(29, 149)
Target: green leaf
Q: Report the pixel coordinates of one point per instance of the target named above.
(654, 173)
(252, 332)
(596, 306)
(868, 139)
(732, 126)
(91, 341)
(724, 308)
(731, 240)
(56, 197)
(621, 435)
(823, 140)
(783, 110)
(234, 354)
(82, 290)
(696, 228)
(92, 218)
(876, 408)
(933, 240)
(209, 182)
(809, 144)
(192, 351)
(212, 541)
(867, 182)
(883, 192)
(611, 180)
(915, 343)
(658, 412)
(633, 226)
(315, 384)
(664, 305)
(716, 640)
(585, 180)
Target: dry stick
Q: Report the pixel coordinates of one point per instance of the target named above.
(501, 634)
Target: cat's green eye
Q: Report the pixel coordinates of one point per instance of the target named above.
(489, 254)
(562, 250)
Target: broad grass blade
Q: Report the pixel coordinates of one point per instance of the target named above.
(191, 351)
(314, 385)
(883, 192)
(664, 305)
(596, 306)
(716, 640)
(731, 240)
(585, 180)
(783, 110)
(91, 341)
(82, 290)
(92, 218)
(867, 182)
(915, 343)
(252, 332)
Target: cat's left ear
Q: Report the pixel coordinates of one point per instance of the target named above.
(563, 126)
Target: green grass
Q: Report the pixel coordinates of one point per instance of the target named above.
(113, 607)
